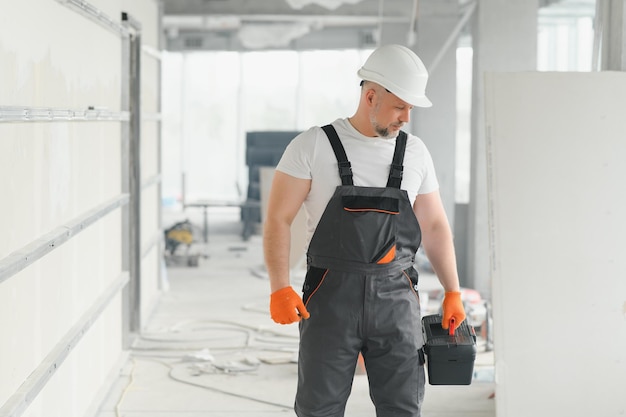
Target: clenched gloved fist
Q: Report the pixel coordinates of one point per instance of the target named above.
(452, 308)
(283, 306)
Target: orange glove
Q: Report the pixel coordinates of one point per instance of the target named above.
(452, 308)
(283, 306)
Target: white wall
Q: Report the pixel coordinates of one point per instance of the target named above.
(54, 172)
(556, 145)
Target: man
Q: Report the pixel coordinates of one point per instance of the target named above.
(370, 194)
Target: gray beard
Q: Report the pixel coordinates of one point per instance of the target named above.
(383, 132)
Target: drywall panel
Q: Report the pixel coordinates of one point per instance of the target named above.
(41, 304)
(149, 150)
(81, 371)
(53, 172)
(556, 145)
(54, 57)
(150, 81)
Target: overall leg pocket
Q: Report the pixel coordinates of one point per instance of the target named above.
(312, 282)
(412, 277)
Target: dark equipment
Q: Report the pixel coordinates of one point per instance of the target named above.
(263, 149)
(450, 354)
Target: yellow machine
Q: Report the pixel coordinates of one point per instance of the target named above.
(177, 236)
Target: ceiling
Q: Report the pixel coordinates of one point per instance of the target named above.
(307, 24)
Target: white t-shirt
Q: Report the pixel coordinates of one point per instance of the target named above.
(310, 156)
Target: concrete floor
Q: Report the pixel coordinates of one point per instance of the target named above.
(211, 349)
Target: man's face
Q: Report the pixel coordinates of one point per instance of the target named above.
(389, 113)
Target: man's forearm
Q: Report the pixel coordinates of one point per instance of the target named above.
(439, 248)
(276, 243)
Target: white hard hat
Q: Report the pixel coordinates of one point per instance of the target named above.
(399, 70)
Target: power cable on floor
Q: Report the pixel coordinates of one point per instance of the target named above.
(141, 350)
(232, 323)
(255, 336)
(181, 337)
(126, 388)
(232, 394)
(218, 390)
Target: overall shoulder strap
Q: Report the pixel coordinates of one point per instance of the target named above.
(345, 169)
(397, 167)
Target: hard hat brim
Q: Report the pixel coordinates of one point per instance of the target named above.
(412, 99)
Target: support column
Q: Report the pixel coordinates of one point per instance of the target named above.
(437, 37)
(433, 36)
(131, 156)
(504, 38)
(610, 22)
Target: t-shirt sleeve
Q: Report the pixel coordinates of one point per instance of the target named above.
(296, 160)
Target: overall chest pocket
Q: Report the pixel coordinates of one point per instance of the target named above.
(369, 227)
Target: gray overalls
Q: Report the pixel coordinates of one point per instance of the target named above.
(360, 289)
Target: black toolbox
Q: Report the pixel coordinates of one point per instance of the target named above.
(449, 357)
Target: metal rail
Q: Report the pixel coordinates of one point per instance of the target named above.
(151, 52)
(454, 36)
(151, 117)
(35, 250)
(155, 241)
(95, 14)
(44, 114)
(155, 179)
(37, 380)
(158, 237)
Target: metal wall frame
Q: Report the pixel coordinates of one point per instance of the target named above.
(93, 13)
(132, 251)
(37, 380)
(131, 175)
(43, 114)
(37, 249)
(158, 56)
(129, 201)
(15, 262)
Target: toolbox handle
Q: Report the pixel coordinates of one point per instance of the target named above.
(451, 327)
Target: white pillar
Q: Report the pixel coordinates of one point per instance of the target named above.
(504, 39)
(610, 21)
(436, 126)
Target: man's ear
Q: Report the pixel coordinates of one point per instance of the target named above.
(369, 96)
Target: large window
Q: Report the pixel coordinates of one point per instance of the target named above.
(565, 39)
(211, 99)
(269, 90)
(200, 125)
(330, 87)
